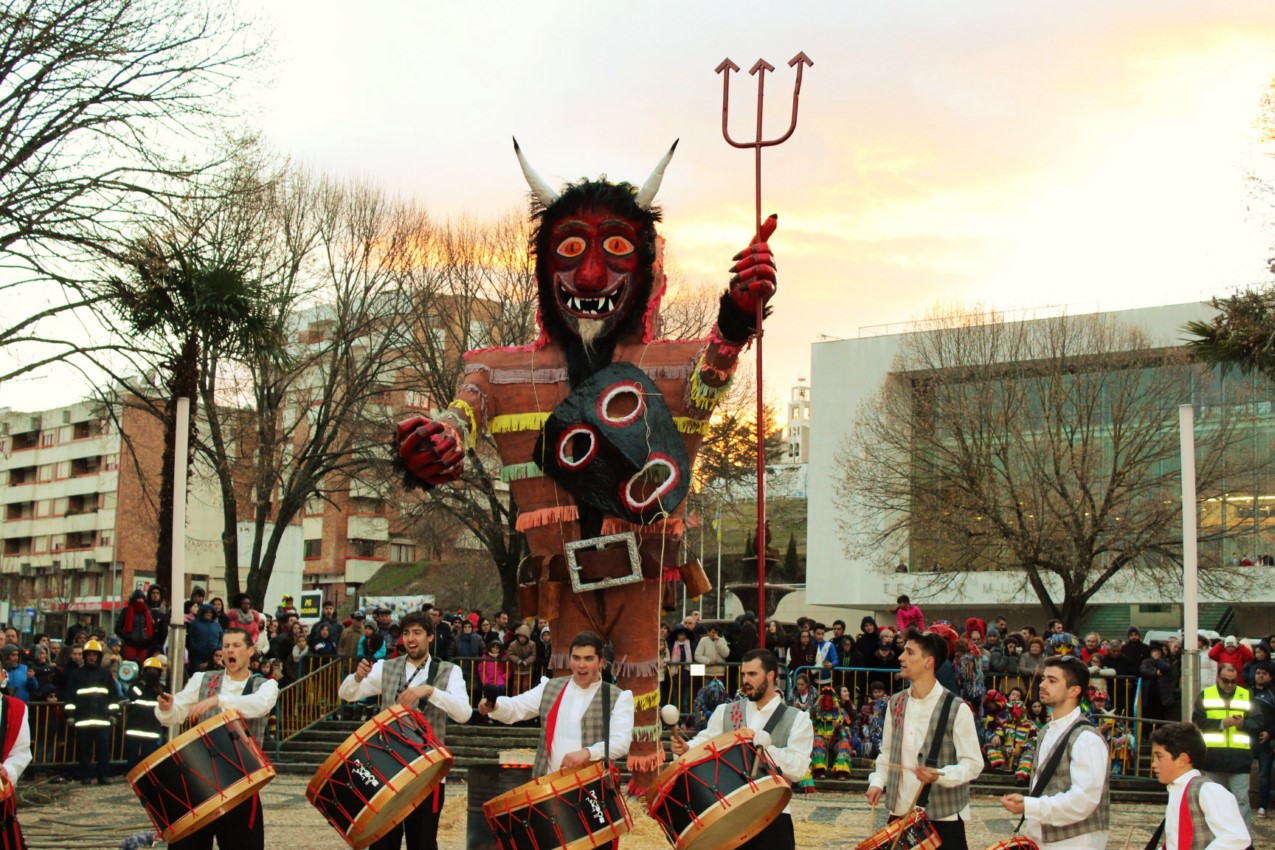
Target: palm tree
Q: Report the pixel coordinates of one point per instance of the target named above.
(1241, 336)
(188, 304)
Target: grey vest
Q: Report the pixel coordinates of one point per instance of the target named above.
(1061, 780)
(1201, 836)
(210, 685)
(735, 714)
(944, 802)
(590, 723)
(394, 682)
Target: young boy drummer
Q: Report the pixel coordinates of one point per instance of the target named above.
(1201, 815)
(206, 695)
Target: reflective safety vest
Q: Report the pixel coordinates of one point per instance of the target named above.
(1218, 708)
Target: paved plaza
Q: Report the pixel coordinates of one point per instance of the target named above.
(92, 817)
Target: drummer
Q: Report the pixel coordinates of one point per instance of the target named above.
(570, 712)
(206, 695)
(15, 753)
(1070, 810)
(434, 687)
(911, 721)
(791, 735)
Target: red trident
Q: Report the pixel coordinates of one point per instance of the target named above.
(759, 69)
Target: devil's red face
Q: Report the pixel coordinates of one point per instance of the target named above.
(593, 263)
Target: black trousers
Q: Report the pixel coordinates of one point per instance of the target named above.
(86, 741)
(951, 832)
(777, 836)
(241, 828)
(420, 827)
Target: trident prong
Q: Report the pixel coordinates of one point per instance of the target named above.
(759, 69)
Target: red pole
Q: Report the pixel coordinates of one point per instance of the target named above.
(761, 425)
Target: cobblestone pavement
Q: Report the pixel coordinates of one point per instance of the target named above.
(92, 817)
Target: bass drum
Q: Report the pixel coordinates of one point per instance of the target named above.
(575, 809)
(718, 795)
(379, 775)
(202, 773)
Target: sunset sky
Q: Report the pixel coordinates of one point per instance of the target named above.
(1091, 154)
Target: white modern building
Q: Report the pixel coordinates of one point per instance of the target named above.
(849, 372)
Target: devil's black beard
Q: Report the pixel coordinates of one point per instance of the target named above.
(584, 361)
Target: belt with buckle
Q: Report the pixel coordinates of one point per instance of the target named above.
(596, 563)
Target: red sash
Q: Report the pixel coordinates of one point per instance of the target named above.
(15, 714)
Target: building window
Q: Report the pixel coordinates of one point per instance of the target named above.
(363, 548)
(404, 553)
(313, 549)
(48, 438)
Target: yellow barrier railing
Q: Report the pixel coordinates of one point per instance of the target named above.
(308, 700)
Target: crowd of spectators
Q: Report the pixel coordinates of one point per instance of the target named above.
(842, 677)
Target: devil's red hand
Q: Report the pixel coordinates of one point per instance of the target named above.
(430, 450)
(754, 271)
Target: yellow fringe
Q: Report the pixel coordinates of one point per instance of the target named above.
(463, 406)
(510, 422)
(704, 396)
(687, 425)
(547, 516)
(646, 701)
(646, 733)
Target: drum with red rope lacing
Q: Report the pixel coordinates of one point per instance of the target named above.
(206, 771)
(379, 775)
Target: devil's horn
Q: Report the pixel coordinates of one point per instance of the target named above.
(539, 187)
(646, 195)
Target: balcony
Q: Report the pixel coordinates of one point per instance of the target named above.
(359, 527)
(359, 570)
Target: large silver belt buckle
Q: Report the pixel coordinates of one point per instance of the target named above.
(573, 568)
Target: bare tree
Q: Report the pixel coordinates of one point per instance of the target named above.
(105, 106)
(1046, 447)
(477, 288)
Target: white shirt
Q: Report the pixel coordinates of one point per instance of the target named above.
(453, 699)
(254, 705)
(793, 760)
(20, 755)
(1220, 811)
(1090, 762)
(567, 734)
(969, 756)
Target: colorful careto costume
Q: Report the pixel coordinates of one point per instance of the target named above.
(833, 749)
(597, 424)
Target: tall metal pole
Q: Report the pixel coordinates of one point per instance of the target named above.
(177, 623)
(1190, 565)
(718, 586)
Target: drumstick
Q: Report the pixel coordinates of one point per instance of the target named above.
(1128, 842)
(911, 808)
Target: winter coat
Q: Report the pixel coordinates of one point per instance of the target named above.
(998, 663)
(160, 615)
(521, 652)
(470, 645)
(867, 642)
(1161, 675)
(203, 634)
(348, 645)
(493, 671)
(1028, 664)
(250, 623)
(134, 624)
(713, 653)
(1237, 657)
(910, 618)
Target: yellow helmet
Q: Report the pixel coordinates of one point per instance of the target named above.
(153, 661)
(94, 645)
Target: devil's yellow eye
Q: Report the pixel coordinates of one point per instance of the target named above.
(617, 245)
(572, 246)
